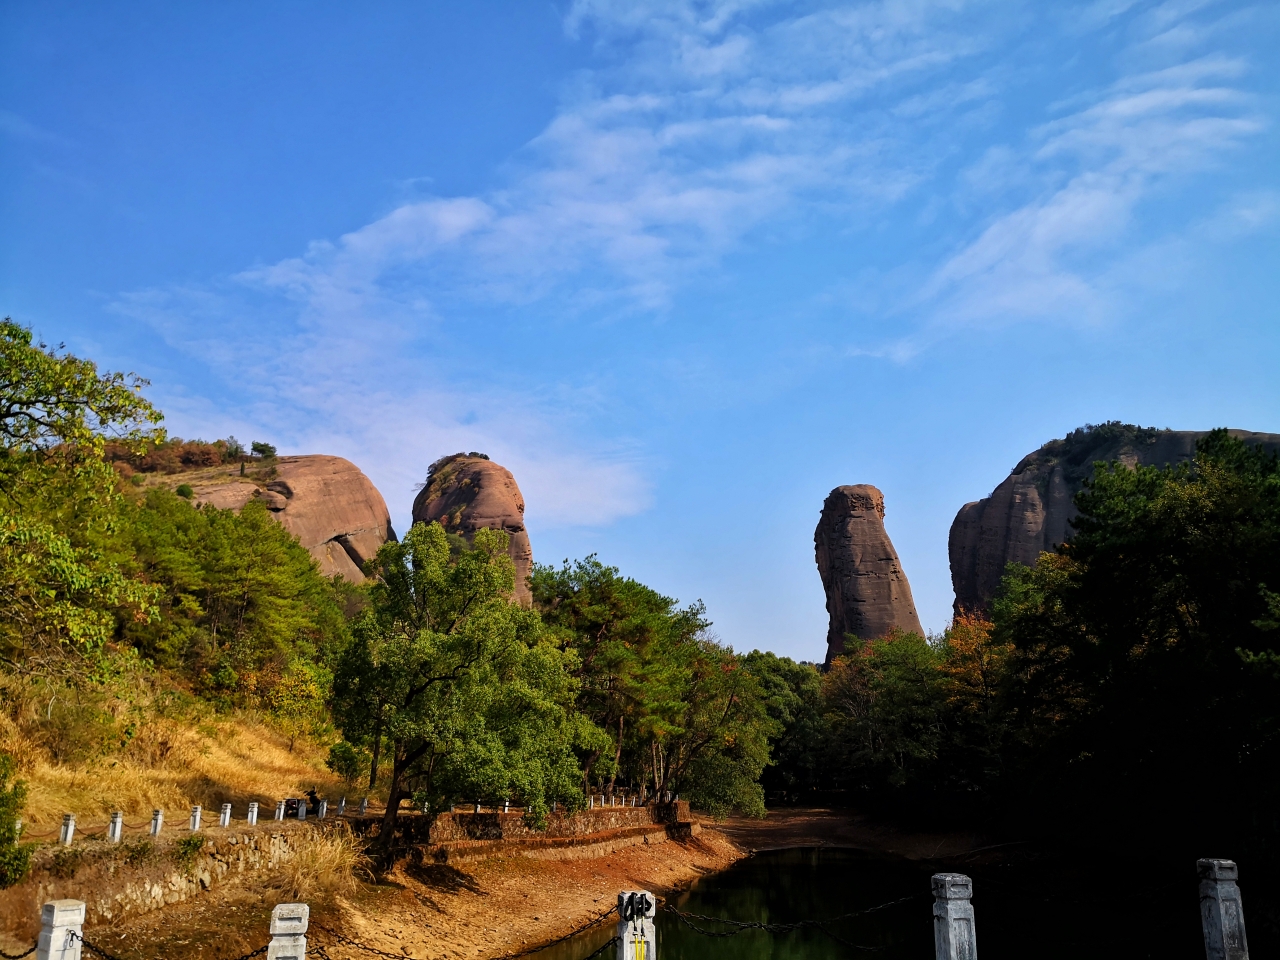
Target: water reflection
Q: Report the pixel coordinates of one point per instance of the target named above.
(784, 887)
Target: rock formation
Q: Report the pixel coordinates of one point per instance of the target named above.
(467, 492)
(1031, 510)
(867, 592)
(333, 509)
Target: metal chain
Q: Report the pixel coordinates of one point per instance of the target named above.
(19, 956)
(108, 956)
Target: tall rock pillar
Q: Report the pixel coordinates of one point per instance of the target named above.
(867, 593)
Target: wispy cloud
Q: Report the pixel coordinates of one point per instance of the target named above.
(702, 124)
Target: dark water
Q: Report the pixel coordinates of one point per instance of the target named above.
(1098, 910)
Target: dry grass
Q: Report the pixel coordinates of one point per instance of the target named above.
(168, 762)
(326, 863)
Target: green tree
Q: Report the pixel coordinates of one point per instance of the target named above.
(460, 681)
(793, 698)
(60, 582)
(1141, 652)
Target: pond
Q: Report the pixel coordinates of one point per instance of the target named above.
(1030, 910)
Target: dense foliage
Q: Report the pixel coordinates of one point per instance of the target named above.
(1124, 682)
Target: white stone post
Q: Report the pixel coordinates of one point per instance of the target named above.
(224, 817)
(68, 831)
(1221, 913)
(280, 810)
(324, 809)
(506, 806)
(342, 806)
(954, 937)
(364, 805)
(61, 926)
(636, 937)
(195, 818)
(289, 932)
(157, 822)
(477, 809)
(252, 817)
(115, 829)
(302, 808)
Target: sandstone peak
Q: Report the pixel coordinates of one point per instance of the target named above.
(867, 591)
(467, 492)
(1030, 512)
(333, 509)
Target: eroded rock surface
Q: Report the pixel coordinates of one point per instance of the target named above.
(468, 492)
(1031, 510)
(867, 592)
(333, 509)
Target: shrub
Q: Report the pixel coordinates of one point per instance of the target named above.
(187, 849)
(346, 761)
(184, 490)
(15, 857)
(264, 450)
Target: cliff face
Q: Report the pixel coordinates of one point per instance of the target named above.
(1031, 510)
(333, 509)
(867, 592)
(468, 492)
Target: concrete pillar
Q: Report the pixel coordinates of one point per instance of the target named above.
(506, 806)
(280, 810)
(324, 809)
(302, 808)
(115, 829)
(364, 805)
(289, 932)
(954, 937)
(1221, 913)
(157, 822)
(224, 818)
(61, 926)
(477, 809)
(342, 806)
(195, 818)
(636, 937)
(252, 817)
(68, 831)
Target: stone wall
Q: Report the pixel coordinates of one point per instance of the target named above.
(142, 874)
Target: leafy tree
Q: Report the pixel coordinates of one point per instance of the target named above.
(264, 450)
(60, 584)
(793, 698)
(297, 701)
(347, 761)
(459, 680)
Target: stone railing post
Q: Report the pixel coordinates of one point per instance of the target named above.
(342, 806)
(68, 831)
(195, 818)
(252, 817)
(364, 806)
(157, 822)
(302, 808)
(289, 932)
(115, 829)
(280, 810)
(636, 937)
(224, 818)
(1221, 913)
(61, 926)
(954, 937)
(324, 809)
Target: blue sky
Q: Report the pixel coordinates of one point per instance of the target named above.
(683, 267)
